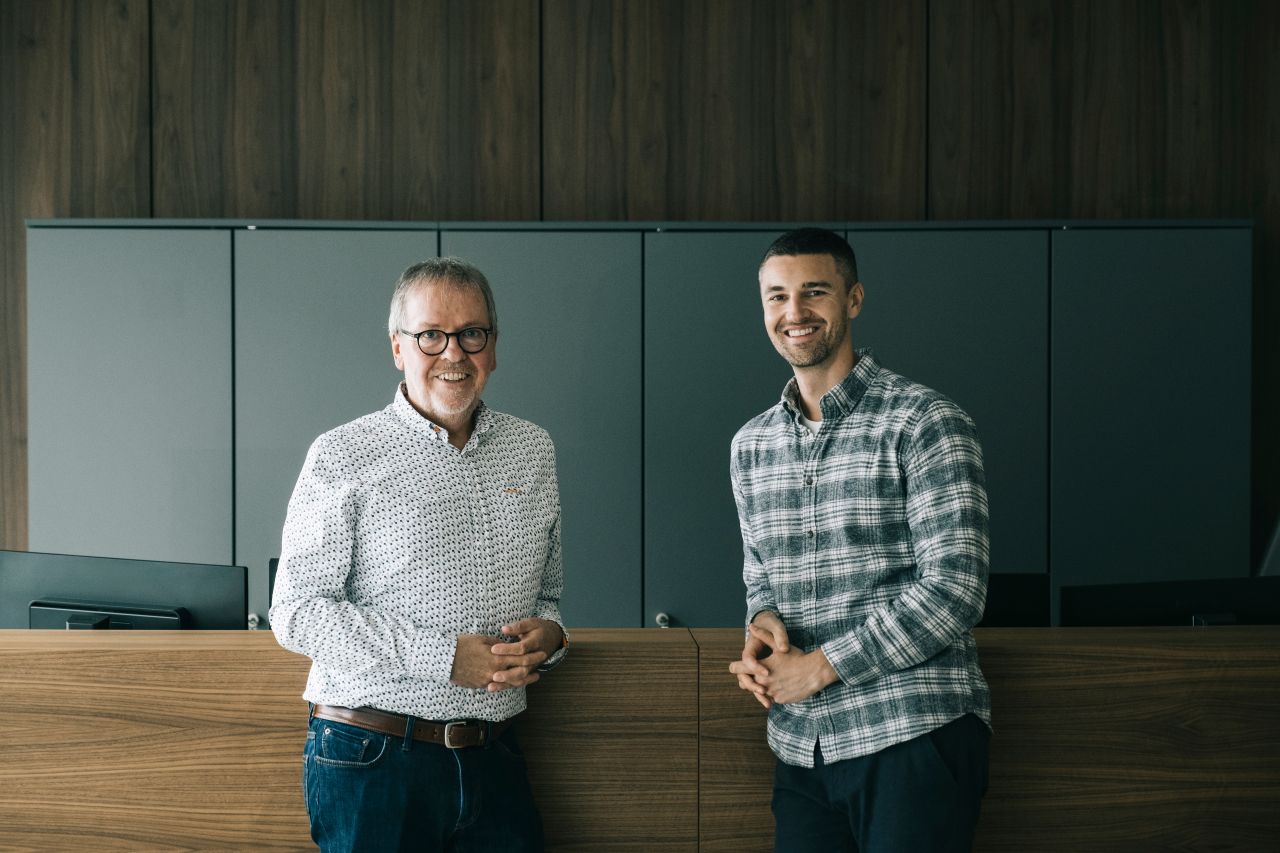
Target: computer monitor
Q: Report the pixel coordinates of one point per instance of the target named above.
(66, 591)
(1214, 601)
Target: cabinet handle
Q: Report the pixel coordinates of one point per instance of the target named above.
(663, 620)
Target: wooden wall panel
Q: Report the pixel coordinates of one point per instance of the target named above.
(393, 109)
(991, 133)
(1092, 109)
(224, 113)
(77, 143)
(192, 740)
(1105, 739)
(727, 110)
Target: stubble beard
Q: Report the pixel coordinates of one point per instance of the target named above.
(818, 353)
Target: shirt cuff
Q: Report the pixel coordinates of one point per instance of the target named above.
(558, 656)
(850, 661)
(432, 655)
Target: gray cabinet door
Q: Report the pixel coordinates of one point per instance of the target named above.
(312, 353)
(569, 360)
(967, 313)
(708, 368)
(129, 407)
(1150, 404)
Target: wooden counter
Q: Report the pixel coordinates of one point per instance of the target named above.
(1106, 739)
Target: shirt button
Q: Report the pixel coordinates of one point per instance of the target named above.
(810, 534)
(808, 481)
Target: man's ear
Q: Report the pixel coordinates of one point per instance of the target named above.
(395, 351)
(856, 296)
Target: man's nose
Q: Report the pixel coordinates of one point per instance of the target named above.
(453, 350)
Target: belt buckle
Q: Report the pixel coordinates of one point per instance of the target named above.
(448, 734)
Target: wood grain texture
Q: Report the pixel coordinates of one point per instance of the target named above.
(151, 741)
(612, 743)
(735, 763)
(1105, 739)
(717, 109)
(391, 109)
(193, 741)
(1090, 109)
(73, 116)
(991, 131)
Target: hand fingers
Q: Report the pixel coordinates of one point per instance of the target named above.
(750, 666)
(522, 626)
(764, 700)
(529, 661)
(518, 648)
(508, 678)
(769, 639)
(777, 632)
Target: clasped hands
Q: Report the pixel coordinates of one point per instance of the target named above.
(771, 670)
(495, 663)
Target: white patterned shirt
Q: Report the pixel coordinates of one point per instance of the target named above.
(396, 542)
(869, 539)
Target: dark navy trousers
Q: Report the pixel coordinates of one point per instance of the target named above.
(919, 796)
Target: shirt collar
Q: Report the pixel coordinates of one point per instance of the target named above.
(404, 410)
(843, 398)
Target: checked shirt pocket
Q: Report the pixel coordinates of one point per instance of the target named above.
(339, 745)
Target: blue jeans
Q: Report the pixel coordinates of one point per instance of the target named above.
(919, 795)
(368, 791)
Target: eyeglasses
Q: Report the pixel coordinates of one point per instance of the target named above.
(435, 341)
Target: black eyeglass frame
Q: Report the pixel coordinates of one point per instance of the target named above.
(417, 337)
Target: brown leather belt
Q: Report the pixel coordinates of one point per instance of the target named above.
(455, 734)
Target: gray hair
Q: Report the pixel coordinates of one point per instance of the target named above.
(453, 271)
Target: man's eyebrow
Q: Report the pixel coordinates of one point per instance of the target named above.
(803, 286)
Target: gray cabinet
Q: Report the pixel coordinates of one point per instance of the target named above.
(708, 368)
(569, 360)
(179, 373)
(129, 393)
(311, 353)
(1150, 396)
(967, 313)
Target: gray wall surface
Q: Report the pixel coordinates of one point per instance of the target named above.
(569, 360)
(1106, 368)
(129, 377)
(1150, 391)
(967, 313)
(312, 353)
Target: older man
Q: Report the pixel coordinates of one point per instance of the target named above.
(420, 571)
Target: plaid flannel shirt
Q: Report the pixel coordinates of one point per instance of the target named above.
(870, 541)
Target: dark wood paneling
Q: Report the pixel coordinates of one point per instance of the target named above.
(224, 111)
(718, 109)
(1105, 739)
(1132, 739)
(13, 293)
(76, 143)
(393, 109)
(1088, 109)
(991, 142)
(1138, 95)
